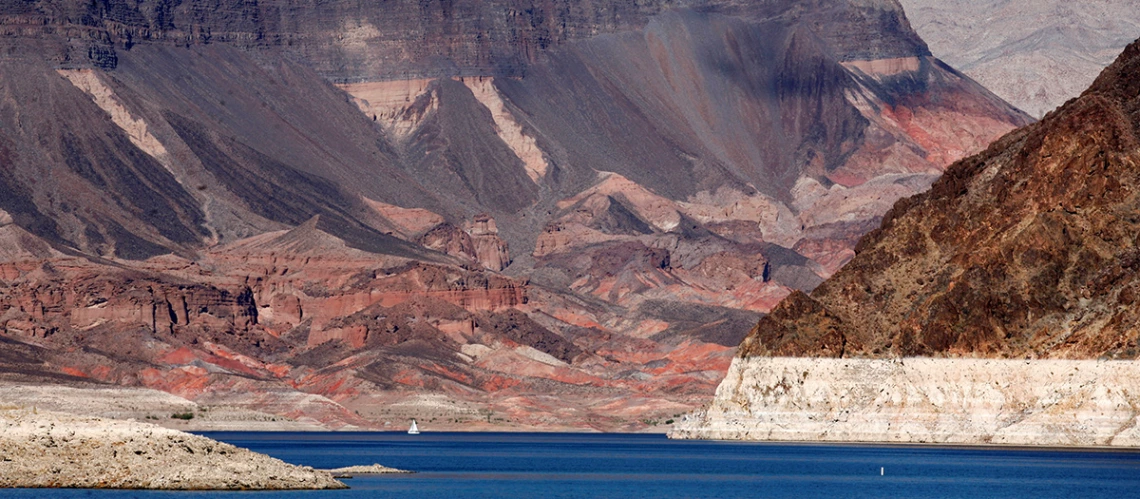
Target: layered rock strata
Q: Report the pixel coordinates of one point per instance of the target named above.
(48, 449)
(909, 400)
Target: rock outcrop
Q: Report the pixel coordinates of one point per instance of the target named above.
(1027, 251)
(491, 251)
(57, 450)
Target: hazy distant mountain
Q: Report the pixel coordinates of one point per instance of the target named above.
(1036, 54)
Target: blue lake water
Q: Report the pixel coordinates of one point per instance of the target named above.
(537, 465)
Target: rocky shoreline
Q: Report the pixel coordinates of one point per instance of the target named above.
(1060, 403)
(42, 449)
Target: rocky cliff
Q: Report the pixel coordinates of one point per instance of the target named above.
(1025, 251)
(318, 210)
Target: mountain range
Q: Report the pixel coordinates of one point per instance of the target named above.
(494, 213)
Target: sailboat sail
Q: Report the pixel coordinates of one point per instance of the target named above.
(414, 430)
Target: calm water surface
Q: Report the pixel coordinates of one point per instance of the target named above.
(529, 465)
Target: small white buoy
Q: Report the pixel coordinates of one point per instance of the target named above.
(881, 471)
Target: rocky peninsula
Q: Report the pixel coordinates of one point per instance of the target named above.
(51, 449)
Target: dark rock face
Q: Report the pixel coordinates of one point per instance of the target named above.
(405, 38)
(101, 189)
(1027, 249)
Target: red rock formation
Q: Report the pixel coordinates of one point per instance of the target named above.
(490, 250)
(479, 243)
(243, 326)
(449, 239)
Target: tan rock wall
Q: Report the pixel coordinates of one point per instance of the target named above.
(963, 401)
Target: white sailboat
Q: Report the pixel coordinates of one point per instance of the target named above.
(414, 430)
